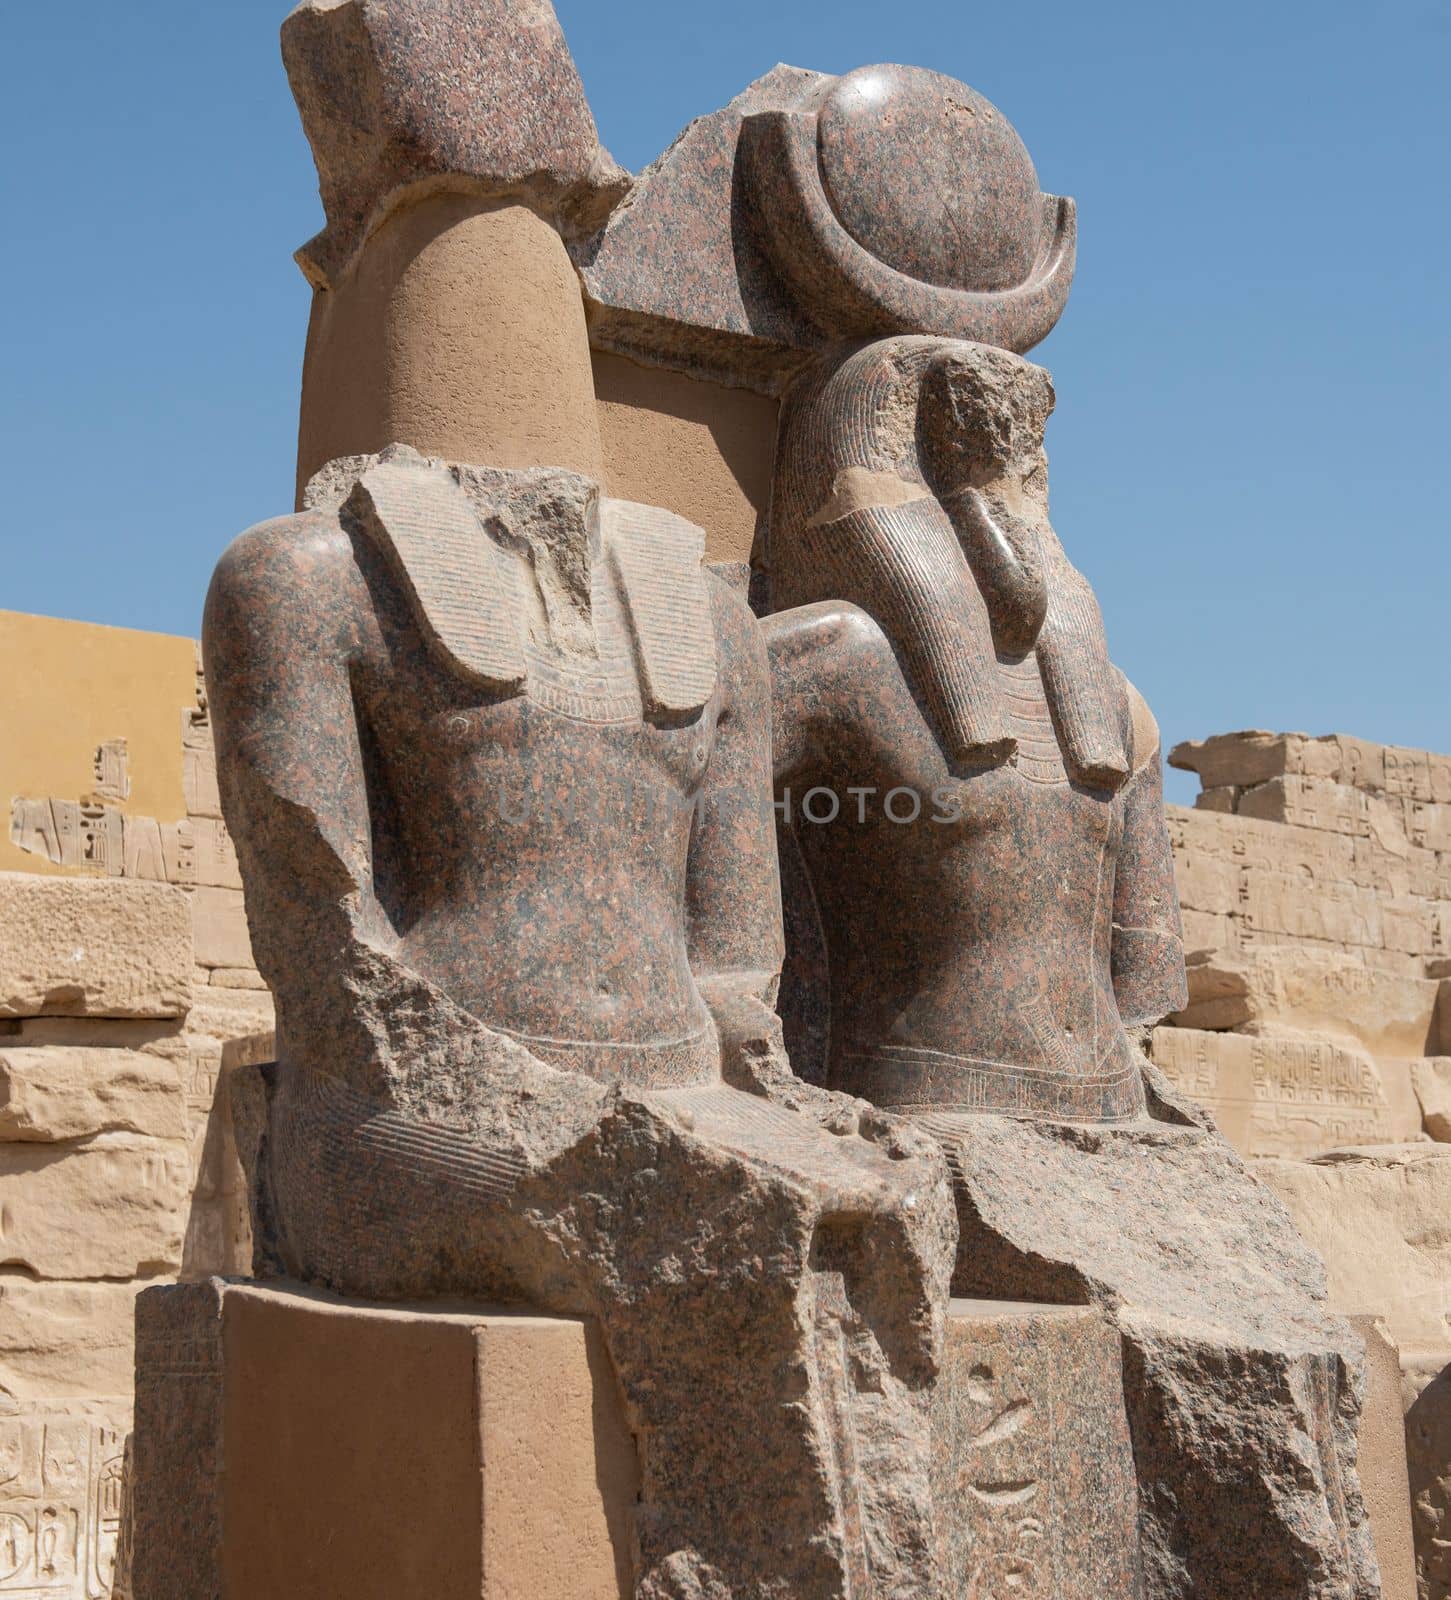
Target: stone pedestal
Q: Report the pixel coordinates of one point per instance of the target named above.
(290, 1446)
(294, 1447)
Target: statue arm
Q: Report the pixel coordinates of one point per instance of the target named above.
(281, 634)
(1148, 940)
(733, 896)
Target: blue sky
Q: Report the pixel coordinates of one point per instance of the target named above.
(1252, 372)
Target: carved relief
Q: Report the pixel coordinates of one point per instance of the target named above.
(60, 1504)
(1033, 1471)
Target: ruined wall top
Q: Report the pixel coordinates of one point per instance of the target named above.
(1233, 766)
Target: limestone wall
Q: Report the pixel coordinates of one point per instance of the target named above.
(124, 967)
(1315, 877)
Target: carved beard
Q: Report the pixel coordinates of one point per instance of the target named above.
(1036, 598)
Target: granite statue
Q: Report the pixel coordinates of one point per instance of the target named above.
(985, 927)
(516, 782)
(494, 749)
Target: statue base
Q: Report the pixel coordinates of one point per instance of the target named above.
(292, 1444)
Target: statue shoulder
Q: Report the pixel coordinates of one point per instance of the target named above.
(293, 575)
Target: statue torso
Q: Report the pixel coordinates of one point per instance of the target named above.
(969, 949)
(530, 850)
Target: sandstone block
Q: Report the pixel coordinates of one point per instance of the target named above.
(98, 947)
(66, 1340)
(199, 767)
(220, 928)
(1026, 1389)
(1207, 884)
(1431, 1079)
(1377, 1216)
(447, 1454)
(1305, 853)
(1383, 1474)
(238, 978)
(1316, 803)
(1305, 991)
(214, 856)
(166, 1039)
(1289, 1096)
(1205, 932)
(114, 1208)
(1256, 757)
(250, 1049)
(220, 1012)
(61, 1479)
(1236, 759)
(49, 1095)
(1334, 913)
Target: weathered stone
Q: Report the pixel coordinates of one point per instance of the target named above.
(1208, 932)
(1247, 759)
(98, 947)
(810, 209)
(1427, 1395)
(61, 1489)
(1331, 913)
(50, 1095)
(165, 1039)
(1383, 1472)
(1431, 1080)
(220, 929)
(1236, 759)
(1271, 1095)
(238, 978)
(66, 1341)
(1243, 1388)
(1377, 1216)
(1207, 884)
(1033, 1469)
(111, 1208)
(1032, 1458)
(1331, 807)
(214, 857)
(960, 971)
(1225, 798)
(389, 1411)
(369, 79)
(220, 1012)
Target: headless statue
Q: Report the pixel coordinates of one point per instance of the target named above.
(495, 753)
(984, 927)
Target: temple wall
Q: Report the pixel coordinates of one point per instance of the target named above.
(1315, 880)
(124, 967)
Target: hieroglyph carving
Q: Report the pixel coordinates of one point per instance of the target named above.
(60, 1504)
